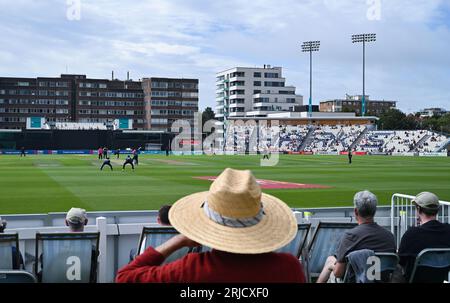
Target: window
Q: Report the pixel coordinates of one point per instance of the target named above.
(156, 84)
(23, 84)
(189, 95)
(256, 83)
(257, 74)
(61, 84)
(273, 84)
(190, 86)
(271, 75)
(237, 74)
(159, 94)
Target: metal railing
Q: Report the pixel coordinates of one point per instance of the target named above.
(403, 211)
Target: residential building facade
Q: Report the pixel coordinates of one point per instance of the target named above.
(168, 100)
(253, 92)
(354, 104)
(76, 98)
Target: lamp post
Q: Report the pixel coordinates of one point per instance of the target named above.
(310, 46)
(358, 39)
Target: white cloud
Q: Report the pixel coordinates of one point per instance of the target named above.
(192, 38)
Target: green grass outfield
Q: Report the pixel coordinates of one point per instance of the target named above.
(51, 183)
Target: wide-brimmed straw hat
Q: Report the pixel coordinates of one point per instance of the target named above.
(234, 216)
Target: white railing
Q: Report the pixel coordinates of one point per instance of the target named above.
(403, 212)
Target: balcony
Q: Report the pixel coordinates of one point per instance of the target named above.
(237, 105)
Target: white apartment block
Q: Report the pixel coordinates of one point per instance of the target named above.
(253, 92)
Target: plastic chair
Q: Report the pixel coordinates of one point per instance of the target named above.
(16, 276)
(432, 266)
(66, 257)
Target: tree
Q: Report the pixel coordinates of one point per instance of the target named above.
(208, 114)
(437, 123)
(395, 119)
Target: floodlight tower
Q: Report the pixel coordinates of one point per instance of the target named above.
(358, 39)
(310, 46)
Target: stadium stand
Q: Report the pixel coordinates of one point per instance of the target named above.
(336, 138)
(121, 231)
(330, 139)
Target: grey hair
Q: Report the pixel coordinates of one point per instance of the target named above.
(366, 203)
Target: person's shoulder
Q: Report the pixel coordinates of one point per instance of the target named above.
(285, 257)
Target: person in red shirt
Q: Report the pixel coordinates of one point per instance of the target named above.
(242, 226)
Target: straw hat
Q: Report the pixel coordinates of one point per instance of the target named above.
(234, 216)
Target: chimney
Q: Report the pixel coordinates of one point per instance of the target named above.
(112, 76)
(128, 76)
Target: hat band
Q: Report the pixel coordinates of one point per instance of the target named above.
(232, 222)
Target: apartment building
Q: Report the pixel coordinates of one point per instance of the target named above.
(253, 92)
(168, 100)
(354, 104)
(150, 104)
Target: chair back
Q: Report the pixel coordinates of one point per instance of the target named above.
(155, 236)
(296, 245)
(8, 244)
(388, 264)
(432, 266)
(324, 244)
(16, 276)
(67, 257)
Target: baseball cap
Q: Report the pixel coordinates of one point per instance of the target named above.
(426, 200)
(76, 215)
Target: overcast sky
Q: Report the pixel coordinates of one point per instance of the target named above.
(409, 62)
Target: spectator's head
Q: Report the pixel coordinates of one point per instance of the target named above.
(235, 216)
(2, 225)
(163, 215)
(76, 219)
(365, 206)
(427, 206)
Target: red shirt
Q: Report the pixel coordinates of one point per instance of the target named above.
(213, 267)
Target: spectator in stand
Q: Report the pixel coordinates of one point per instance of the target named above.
(241, 225)
(430, 233)
(76, 219)
(367, 235)
(17, 259)
(162, 219)
(163, 215)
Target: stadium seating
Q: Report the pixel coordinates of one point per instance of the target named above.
(329, 139)
(433, 142)
(120, 231)
(336, 138)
